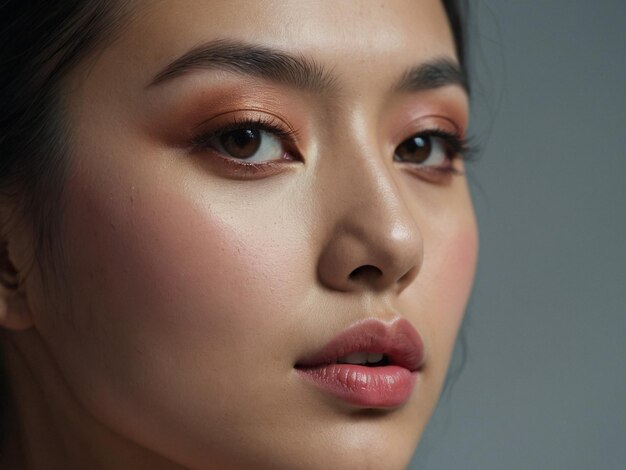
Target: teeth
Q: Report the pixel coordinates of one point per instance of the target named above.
(374, 357)
(354, 358)
(360, 358)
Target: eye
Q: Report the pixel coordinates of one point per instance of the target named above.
(433, 149)
(250, 141)
(249, 144)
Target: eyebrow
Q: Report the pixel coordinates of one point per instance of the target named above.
(433, 74)
(249, 59)
(296, 71)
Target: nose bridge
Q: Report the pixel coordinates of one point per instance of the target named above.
(372, 205)
(374, 240)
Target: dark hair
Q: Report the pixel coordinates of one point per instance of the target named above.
(40, 42)
(457, 11)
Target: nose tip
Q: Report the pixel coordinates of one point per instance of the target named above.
(382, 253)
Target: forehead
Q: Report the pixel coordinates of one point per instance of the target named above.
(347, 36)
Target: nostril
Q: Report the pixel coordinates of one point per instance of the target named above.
(366, 273)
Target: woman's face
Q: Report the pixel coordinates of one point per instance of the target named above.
(197, 283)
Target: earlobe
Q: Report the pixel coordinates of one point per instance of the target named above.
(14, 311)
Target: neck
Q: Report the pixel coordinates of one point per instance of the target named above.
(46, 427)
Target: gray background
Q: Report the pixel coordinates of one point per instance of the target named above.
(544, 385)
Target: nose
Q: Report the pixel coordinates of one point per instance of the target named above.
(373, 241)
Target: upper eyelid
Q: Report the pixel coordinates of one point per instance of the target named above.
(428, 122)
(248, 115)
(270, 127)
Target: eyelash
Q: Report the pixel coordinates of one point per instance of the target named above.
(267, 124)
(456, 145)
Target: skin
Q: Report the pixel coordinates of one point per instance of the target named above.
(190, 292)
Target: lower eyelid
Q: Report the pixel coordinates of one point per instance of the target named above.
(241, 170)
(433, 175)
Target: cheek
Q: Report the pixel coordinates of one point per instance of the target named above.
(439, 295)
(158, 256)
(437, 299)
(448, 274)
(454, 260)
(175, 287)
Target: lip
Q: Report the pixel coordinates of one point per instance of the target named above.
(385, 386)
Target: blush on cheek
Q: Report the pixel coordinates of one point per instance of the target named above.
(445, 284)
(163, 282)
(462, 257)
(172, 261)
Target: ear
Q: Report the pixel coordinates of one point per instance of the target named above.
(14, 311)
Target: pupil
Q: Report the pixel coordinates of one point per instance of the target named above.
(241, 143)
(416, 150)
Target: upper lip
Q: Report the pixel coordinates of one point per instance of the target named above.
(399, 341)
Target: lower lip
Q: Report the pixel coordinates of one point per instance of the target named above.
(368, 387)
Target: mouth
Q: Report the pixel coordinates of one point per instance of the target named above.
(367, 359)
(371, 364)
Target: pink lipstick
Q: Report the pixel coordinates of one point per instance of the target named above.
(371, 364)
